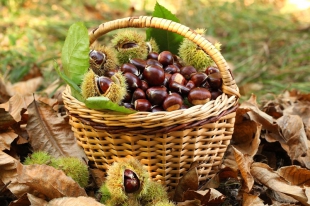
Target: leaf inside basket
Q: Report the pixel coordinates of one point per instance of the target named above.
(166, 40)
(103, 103)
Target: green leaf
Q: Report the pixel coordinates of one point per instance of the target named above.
(166, 40)
(75, 89)
(103, 103)
(74, 56)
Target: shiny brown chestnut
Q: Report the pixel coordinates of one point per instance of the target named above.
(133, 81)
(215, 80)
(171, 68)
(179, 88)
(188, 71)
(199, 96)
(153, 62)
(138, 94)
(215, 94)
(190, 84)
(156, 95)
(154, 75)
(211, 70)
(139, 63)
(142, 105)
(157, 109)
(129, 67)
(178, 78)
(104, 84)
(152, 55)
(199, 78)
(167, 79)
(165, 58)
(131, 181)
(144, 85)
(97, 57)
(172, 102)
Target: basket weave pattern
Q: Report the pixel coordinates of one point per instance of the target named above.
(167, 143)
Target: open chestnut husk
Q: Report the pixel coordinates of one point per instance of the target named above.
(131, 181)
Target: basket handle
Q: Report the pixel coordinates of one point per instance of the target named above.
(229, 86)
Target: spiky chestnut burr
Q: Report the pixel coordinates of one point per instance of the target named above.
(102, 59)
(130, 44)
(38, 157)
(193, 55)
(114, 88)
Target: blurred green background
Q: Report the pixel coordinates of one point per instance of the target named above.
(266, 42)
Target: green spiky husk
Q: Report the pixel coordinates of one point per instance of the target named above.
(74, 168)
(191, 54)
(110, 62)
(88, 86)
(38, 157)
(154, 46)
(129, 36)
(154, 193)
(117, 91)
(163, 203)
(114, 181)
(105, 193)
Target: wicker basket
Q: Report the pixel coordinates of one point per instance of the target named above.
(167, 143)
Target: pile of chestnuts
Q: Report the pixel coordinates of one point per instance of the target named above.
(145, 79)
(161, 83)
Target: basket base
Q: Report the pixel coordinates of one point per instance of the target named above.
(166, 156)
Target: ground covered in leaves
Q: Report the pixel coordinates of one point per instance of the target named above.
(267, 162)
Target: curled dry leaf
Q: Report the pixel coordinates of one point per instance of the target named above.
(51, 133)
(6, 120)
(8, 174)
(76, 201)
(266, 176)
(26, 87)
(6, 138)
(295, 175)
(251, 200)
(295, 139)
(49, 181)
(206, 197)
(189, 181)
(28, 199)
(244, 162)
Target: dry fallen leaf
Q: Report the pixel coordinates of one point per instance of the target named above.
(25, 87)
(8, 174)
(295, 175)
(251, 200)
(210, 197)
(49, 181)
(295, 139)
(266, 176)
(6, 138)
(244, 162)
(189, 181)
(51, 133)
(76, 201)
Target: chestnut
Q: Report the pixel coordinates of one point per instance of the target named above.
(172, 102)
(110, 73)
(177, 77)
(211, 70)
(138, 94)
(167, 79)
(215, 94)
(142, 105)
(215, 80)
(152, 55)
(133, 81)
(190, 84)
(154, 75)
(153, 62)
(129, 67)
(129, 45)
(127, 105)
(139, 63)
(188, 71)
(103, 84)
(156, 95)
(198, 96)
(97, 57)
(171, 68)
(131, 181)
(165, 58)
(144, 85)
(128, 97)
(199, 78)
(176, 87)
(157, 109)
